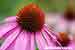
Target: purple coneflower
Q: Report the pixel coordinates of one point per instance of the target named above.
(26, 31)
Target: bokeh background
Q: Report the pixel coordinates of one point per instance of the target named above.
(11, 7)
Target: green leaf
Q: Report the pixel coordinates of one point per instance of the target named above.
(37, 48)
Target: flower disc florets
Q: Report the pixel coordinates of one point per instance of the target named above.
(31, 18)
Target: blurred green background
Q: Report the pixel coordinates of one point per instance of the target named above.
(11, 7)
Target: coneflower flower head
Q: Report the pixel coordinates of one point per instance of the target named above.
(26, 30)
(69, 11)
(31, 18)
(64, 39)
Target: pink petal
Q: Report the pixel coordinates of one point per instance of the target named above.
(72, 45)
(61, 25)
(72, 27)
(10, 18)
(10, 39)
(33, 42)
(23, 42)
(48, 38)
(51, 34)
(4, 28)
(41, 43)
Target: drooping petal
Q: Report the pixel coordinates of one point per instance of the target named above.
(48, 39)
(7, 26)
(33, 42)
(52, 35)
(11, 18)
(72, 45)
(61, 25)
(72, 27)
(41, 43)
(23, 42)
(7, 43)
(50, 29)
